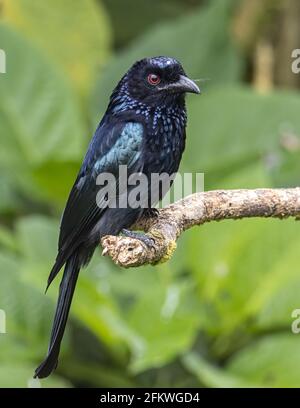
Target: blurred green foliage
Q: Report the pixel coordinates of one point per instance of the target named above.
(219, 313)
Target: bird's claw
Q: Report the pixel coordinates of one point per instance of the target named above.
(148, 241)
(105, 251)
(151, 212)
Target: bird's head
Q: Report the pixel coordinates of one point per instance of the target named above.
(157, 80)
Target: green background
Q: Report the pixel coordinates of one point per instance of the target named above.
(219, 313)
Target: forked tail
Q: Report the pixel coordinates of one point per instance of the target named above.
(66, 290)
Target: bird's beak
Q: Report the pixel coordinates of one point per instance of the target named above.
(184, 84)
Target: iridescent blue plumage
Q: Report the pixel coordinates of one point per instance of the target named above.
(126, 149)
(144, 129)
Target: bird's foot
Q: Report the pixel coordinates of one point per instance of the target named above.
(140, 236)
(151, 212)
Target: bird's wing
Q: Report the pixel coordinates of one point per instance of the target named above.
(112, 145)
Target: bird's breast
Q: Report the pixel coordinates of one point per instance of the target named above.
(166, 143)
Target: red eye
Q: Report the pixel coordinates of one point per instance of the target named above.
(153, 79)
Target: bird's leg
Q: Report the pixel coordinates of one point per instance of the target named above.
(140, 236)
(150, 212)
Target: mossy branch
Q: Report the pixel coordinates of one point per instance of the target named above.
(198, 209)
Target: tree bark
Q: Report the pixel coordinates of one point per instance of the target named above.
(198, 209)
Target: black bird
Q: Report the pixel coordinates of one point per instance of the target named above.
(144, 129)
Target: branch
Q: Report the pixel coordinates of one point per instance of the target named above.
(198, 209)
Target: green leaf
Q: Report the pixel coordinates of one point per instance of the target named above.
(277, 294)
(141, 14)
(20, 376)
(75, 36)
(272, 361)
(245, 272)
(25, 309)
(10, 202)
(97, 375)
(234, 263)
(212, 376)
(248, 130)
(167, 326)
(37, 256)
(37, 236)
(7, 239)
(47, 129)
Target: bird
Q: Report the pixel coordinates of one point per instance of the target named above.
(143, 129)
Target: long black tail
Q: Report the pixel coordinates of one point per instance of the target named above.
(66, 291)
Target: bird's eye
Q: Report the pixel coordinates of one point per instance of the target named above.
(153, 79)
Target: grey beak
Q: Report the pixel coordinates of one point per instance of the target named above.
(187, 85)
(184, 84)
